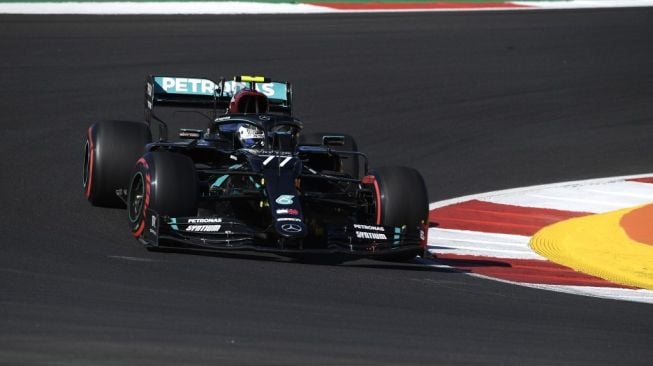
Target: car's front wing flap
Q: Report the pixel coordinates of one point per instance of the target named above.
(374, 239)
(212, 232)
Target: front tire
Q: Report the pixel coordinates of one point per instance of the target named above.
(401, 200)
(164, 182)
(110, 151)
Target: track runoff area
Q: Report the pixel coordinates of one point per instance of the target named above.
(294, 6)
(592, 237)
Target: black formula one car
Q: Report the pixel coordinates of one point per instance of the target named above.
(252, 180)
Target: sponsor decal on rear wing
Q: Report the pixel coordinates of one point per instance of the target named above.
(276, 91)
(181, 91)
(188, 91)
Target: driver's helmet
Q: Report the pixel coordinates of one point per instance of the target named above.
(250, 136)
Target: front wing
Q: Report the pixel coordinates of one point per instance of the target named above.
(225, 234)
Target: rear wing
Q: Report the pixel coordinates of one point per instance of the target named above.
(178, 91)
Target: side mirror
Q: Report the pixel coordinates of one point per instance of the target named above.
(328, 140)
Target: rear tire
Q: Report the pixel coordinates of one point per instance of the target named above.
(347, 163)
(175, 193)
(111, 149)
(402, 199)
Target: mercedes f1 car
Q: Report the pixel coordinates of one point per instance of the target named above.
(252, 180)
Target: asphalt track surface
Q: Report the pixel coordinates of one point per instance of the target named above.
(477, 102)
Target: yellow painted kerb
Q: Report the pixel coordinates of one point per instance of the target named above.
(598, 245)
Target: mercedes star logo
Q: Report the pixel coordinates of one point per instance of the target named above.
(291, 228)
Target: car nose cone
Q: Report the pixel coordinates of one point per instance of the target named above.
(291, 229)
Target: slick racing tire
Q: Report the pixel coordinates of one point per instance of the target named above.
(110, 151)
(401, 200)
(348, 164)
(164, 182)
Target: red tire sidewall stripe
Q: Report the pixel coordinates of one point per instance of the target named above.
(146, 204)
(377, 192)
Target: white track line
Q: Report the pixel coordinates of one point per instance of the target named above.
(461, 242)
(595, 198)
(587, 4)
(536, 188)
(235, 7)
(612, 293)
(159, 8)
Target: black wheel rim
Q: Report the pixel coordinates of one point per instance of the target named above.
(87, 164)
(136, 199)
